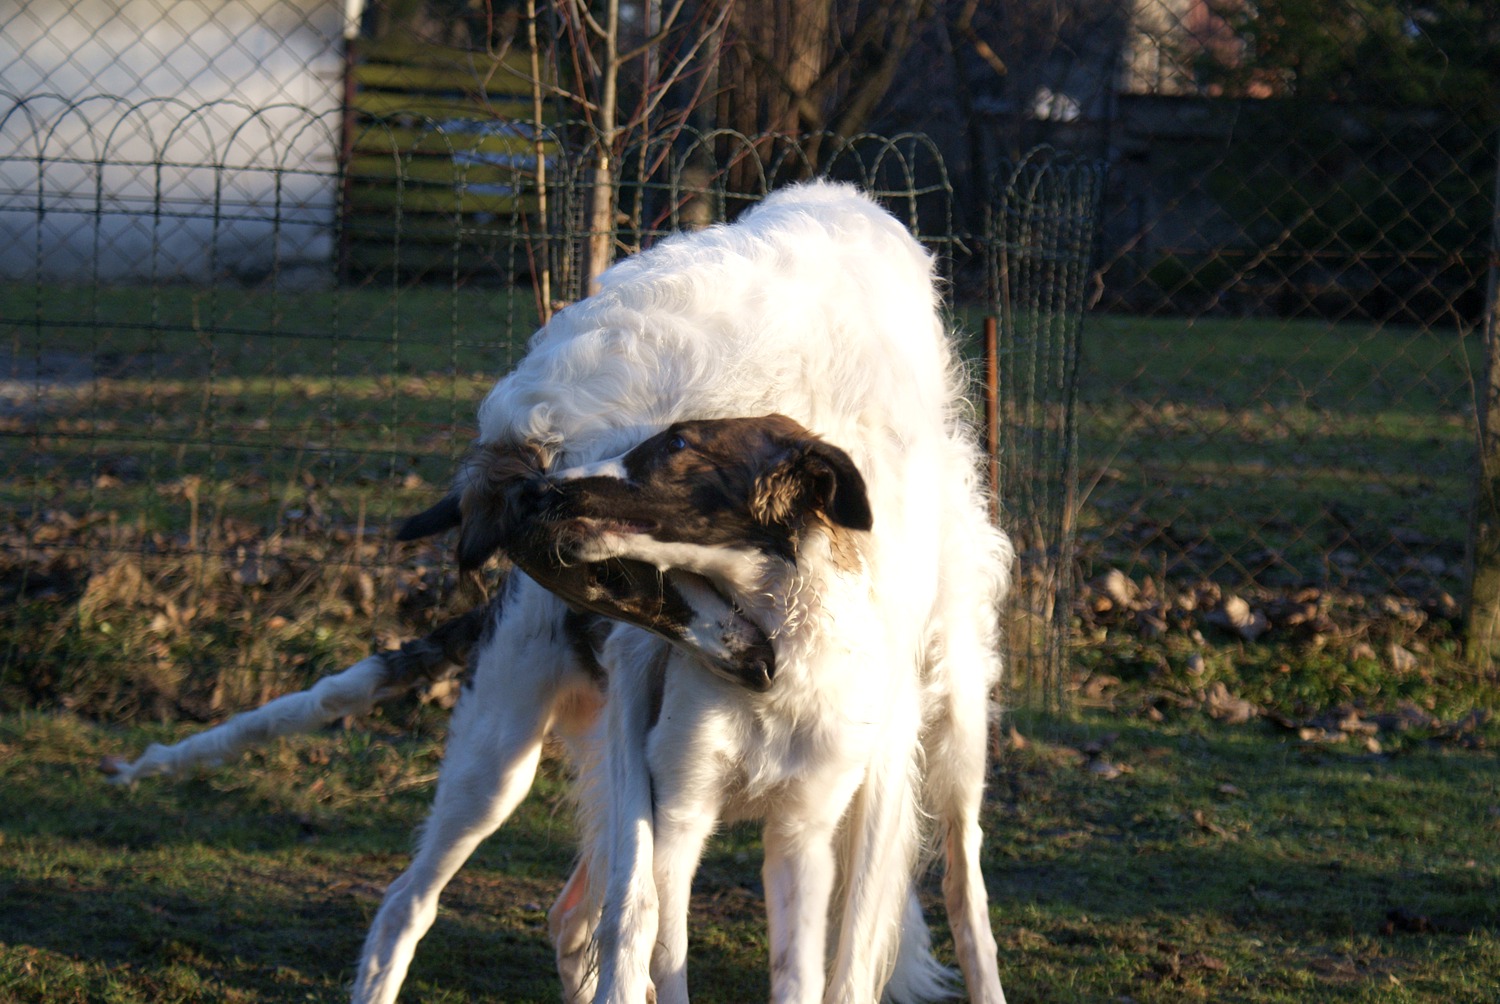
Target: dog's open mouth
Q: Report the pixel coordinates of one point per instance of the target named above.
(555, 547)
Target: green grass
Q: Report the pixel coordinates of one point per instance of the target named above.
(1224, 864)
(211, 432)
(203, 523)
(1233, 864)
(117, 390)
(1269, 446)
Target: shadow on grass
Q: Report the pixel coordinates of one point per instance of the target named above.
(190, 891)
(1120, 850)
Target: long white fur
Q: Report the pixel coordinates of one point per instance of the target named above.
(820, 306)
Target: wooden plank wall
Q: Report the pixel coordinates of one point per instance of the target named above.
(440, 162)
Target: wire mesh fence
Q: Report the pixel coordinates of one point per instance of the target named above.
(1276, 399)
(1312, 422)
(215, 415)
(1041, 250)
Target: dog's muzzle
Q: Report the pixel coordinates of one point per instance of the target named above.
(544, 538)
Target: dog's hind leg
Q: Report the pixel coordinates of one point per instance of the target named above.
(968, 903)
(964, 665)
(572, 923)
(353, 691)
(524, 674)
(960, 744)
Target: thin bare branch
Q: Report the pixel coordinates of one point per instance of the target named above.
(663, 31)
(680, 70)
(587, 19)
(965, 28)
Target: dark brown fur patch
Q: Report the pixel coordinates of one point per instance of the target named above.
(440, 653)
(485, 505)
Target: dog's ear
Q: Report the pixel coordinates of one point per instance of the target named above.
(440, 518)
(812, 476)
(480, 516)
(479, 506)
(483, 530)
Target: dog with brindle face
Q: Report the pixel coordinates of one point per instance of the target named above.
(722, 495)
(779, 523)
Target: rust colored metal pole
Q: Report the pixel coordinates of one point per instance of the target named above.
(992, 411)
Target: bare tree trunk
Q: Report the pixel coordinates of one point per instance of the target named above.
(775, 64)
(1482, 609)
(781, 55)
(602, 212)
(809, 30)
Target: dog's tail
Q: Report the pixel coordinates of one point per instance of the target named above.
(354, 691)
(883, 941)
(918, 975)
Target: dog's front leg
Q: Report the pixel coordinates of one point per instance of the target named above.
(681, 833)
(628, 921)
(494, 744)
(687, 752)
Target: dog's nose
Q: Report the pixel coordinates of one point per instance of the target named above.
(533, 496)
(757, 668)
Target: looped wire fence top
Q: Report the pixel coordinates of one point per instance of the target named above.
(1041, 251)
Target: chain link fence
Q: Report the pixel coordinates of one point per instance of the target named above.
(209, 352)
(1277, 378)
(1281, 388)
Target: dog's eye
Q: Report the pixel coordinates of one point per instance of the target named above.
(676, 444)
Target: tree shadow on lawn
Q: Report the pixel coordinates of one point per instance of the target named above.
(268, 894)
(280, 933)
(1234, 843)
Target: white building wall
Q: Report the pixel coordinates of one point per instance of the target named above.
(168, 140)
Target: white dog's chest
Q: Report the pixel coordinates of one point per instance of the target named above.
(759, 752)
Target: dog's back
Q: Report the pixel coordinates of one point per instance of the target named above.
(815, 304)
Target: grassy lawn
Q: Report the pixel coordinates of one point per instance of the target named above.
(1296, 451)
(1283, 451)
(1206, 863)
(113, 392)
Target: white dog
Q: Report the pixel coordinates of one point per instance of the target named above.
(868, 719)
(829, 755)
